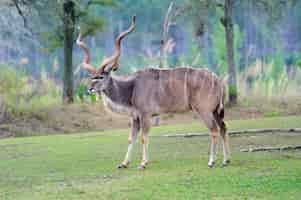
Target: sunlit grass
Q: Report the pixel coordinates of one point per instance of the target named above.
(83, 166)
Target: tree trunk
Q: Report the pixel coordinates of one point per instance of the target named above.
(232, 84)
(3, 113)
(69, 21)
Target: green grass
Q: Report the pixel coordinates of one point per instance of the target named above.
(83, 166)
(271, 122)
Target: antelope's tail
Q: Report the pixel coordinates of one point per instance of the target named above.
(221, 107)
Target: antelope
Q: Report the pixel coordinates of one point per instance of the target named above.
(152, 91)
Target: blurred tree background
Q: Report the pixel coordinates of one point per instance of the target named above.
(257, 43)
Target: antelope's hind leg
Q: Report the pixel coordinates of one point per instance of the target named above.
(212, 125)
(145, 125)
(213, 146)
(225, 137)
(226, 146)
(131, 140)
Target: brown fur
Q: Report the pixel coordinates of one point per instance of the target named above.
(154, 91)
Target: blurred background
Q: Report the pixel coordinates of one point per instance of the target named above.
(37, 45)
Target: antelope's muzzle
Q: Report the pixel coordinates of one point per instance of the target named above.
(91, 91)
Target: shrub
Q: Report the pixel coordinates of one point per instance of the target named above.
(24, 94)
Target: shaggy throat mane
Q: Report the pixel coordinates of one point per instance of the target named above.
(117, 97)
(115, 107)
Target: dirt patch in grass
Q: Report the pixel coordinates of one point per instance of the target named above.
(93, 117)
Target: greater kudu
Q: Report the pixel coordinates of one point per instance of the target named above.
(151, 92)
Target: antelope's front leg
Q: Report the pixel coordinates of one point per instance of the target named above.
(145, 141)
(132, 139)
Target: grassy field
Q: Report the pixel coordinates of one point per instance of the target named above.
(83, 166)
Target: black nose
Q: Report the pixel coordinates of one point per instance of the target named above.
(91, 91)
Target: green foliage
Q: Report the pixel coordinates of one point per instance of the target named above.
(53, 39)
(23, 94)
(299, 63)
(268, 79)
(102, 2)
(82, 93)
(8, 77)
(272, 114)
(232, 90)
(220, 48)
(278, 67)
(260, 23)
(93, 97)
(87, 18)
(90, 25)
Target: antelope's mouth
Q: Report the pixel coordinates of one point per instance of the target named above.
(91, 91)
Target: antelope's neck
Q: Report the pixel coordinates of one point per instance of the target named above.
(118, 96)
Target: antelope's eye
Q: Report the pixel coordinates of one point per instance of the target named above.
(97, 78)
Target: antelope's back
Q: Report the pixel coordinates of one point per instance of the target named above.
(175, 90)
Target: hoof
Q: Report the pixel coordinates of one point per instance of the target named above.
(141, 167)
(122, 166)
(210, 165)
(226, 163)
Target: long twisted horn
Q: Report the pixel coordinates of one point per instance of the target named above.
(114, 59)
(86, 63)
